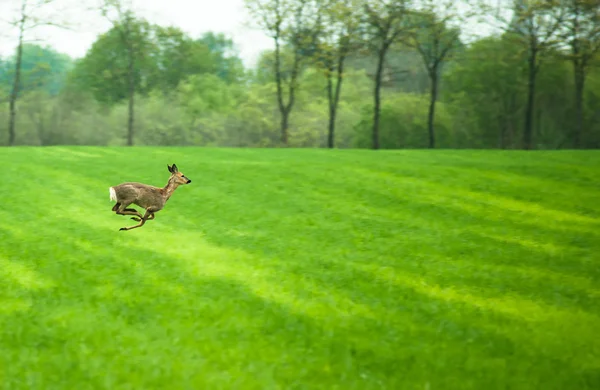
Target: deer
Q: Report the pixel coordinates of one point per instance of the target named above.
(151, 198)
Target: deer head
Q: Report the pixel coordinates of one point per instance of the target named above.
(176, 176)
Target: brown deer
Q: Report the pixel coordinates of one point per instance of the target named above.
(151, 198)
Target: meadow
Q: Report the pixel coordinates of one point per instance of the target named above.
(301, 269)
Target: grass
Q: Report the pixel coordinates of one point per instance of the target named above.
(301, 269)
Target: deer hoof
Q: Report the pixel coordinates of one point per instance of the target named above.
(136, 219)
(122, 229)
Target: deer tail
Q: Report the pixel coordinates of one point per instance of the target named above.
(113, 194)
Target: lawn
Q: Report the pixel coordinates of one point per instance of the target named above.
(301, 269)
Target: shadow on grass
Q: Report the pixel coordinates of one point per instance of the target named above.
(149, 315)
(381, 291)
(511, 201)
(466, 250)
(117, 314)
(553, 171)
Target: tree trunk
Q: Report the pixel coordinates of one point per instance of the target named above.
(331, 128)
(131, 79)
(529, 110)
(282, 109)
(334, 99)
(285, 114)
(377, 96)
(17, 81)
(433, 74)
(502, 124)
(579, 88)
(291, 99)
(579, 65)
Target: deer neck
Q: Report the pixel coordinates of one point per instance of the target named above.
(170, 188)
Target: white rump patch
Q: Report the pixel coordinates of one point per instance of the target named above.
(113, 194)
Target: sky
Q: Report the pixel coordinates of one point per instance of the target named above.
(194, 17)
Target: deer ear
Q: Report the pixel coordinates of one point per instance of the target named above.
(175, 168)
(170, 168)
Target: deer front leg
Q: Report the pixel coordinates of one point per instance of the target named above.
(142, 221)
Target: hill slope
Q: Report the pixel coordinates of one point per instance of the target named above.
(302, 269)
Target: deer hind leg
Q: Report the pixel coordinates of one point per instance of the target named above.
(142, 220)
(118, 205)
(123, 210)
(151, 217)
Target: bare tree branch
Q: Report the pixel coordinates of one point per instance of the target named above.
(293, 25)
(29, 17)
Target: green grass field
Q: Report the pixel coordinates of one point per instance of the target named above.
(301, 269)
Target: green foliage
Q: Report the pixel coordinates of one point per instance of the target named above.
(265, 66)
(301, 269)
(386, 22)
(490, 78)
(340, 32)
(403, 69)
(207, 93)
(227, 63)
(4, 80)
(555, 116)
(403, 123)
(42, 69)
(104, 69)
(581, 30)
(434, 32)
(195, 90)
(157, 125)
(481, 100)
(176, 57)
(69, 119)
(164, 57)
(591, 136)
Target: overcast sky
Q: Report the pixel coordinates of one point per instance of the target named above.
(192, 16)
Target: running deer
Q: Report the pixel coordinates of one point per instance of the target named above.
(151, 198)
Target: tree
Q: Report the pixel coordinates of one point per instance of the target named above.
(338, 39)
(41, 68)
(105, 68)
(535, 25)
(225, 56)
(131, 32)
(486, 89)
(434, 38)
(31, 15)
(5, 67)
(293, 25)
(387, 21)
(581, 31)
(163, 58)
(176, 56)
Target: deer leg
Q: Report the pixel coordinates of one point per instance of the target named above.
(142, 221)
(124, 211)
(116, 206)
(147, 219)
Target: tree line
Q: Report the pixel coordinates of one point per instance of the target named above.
(342, 73)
